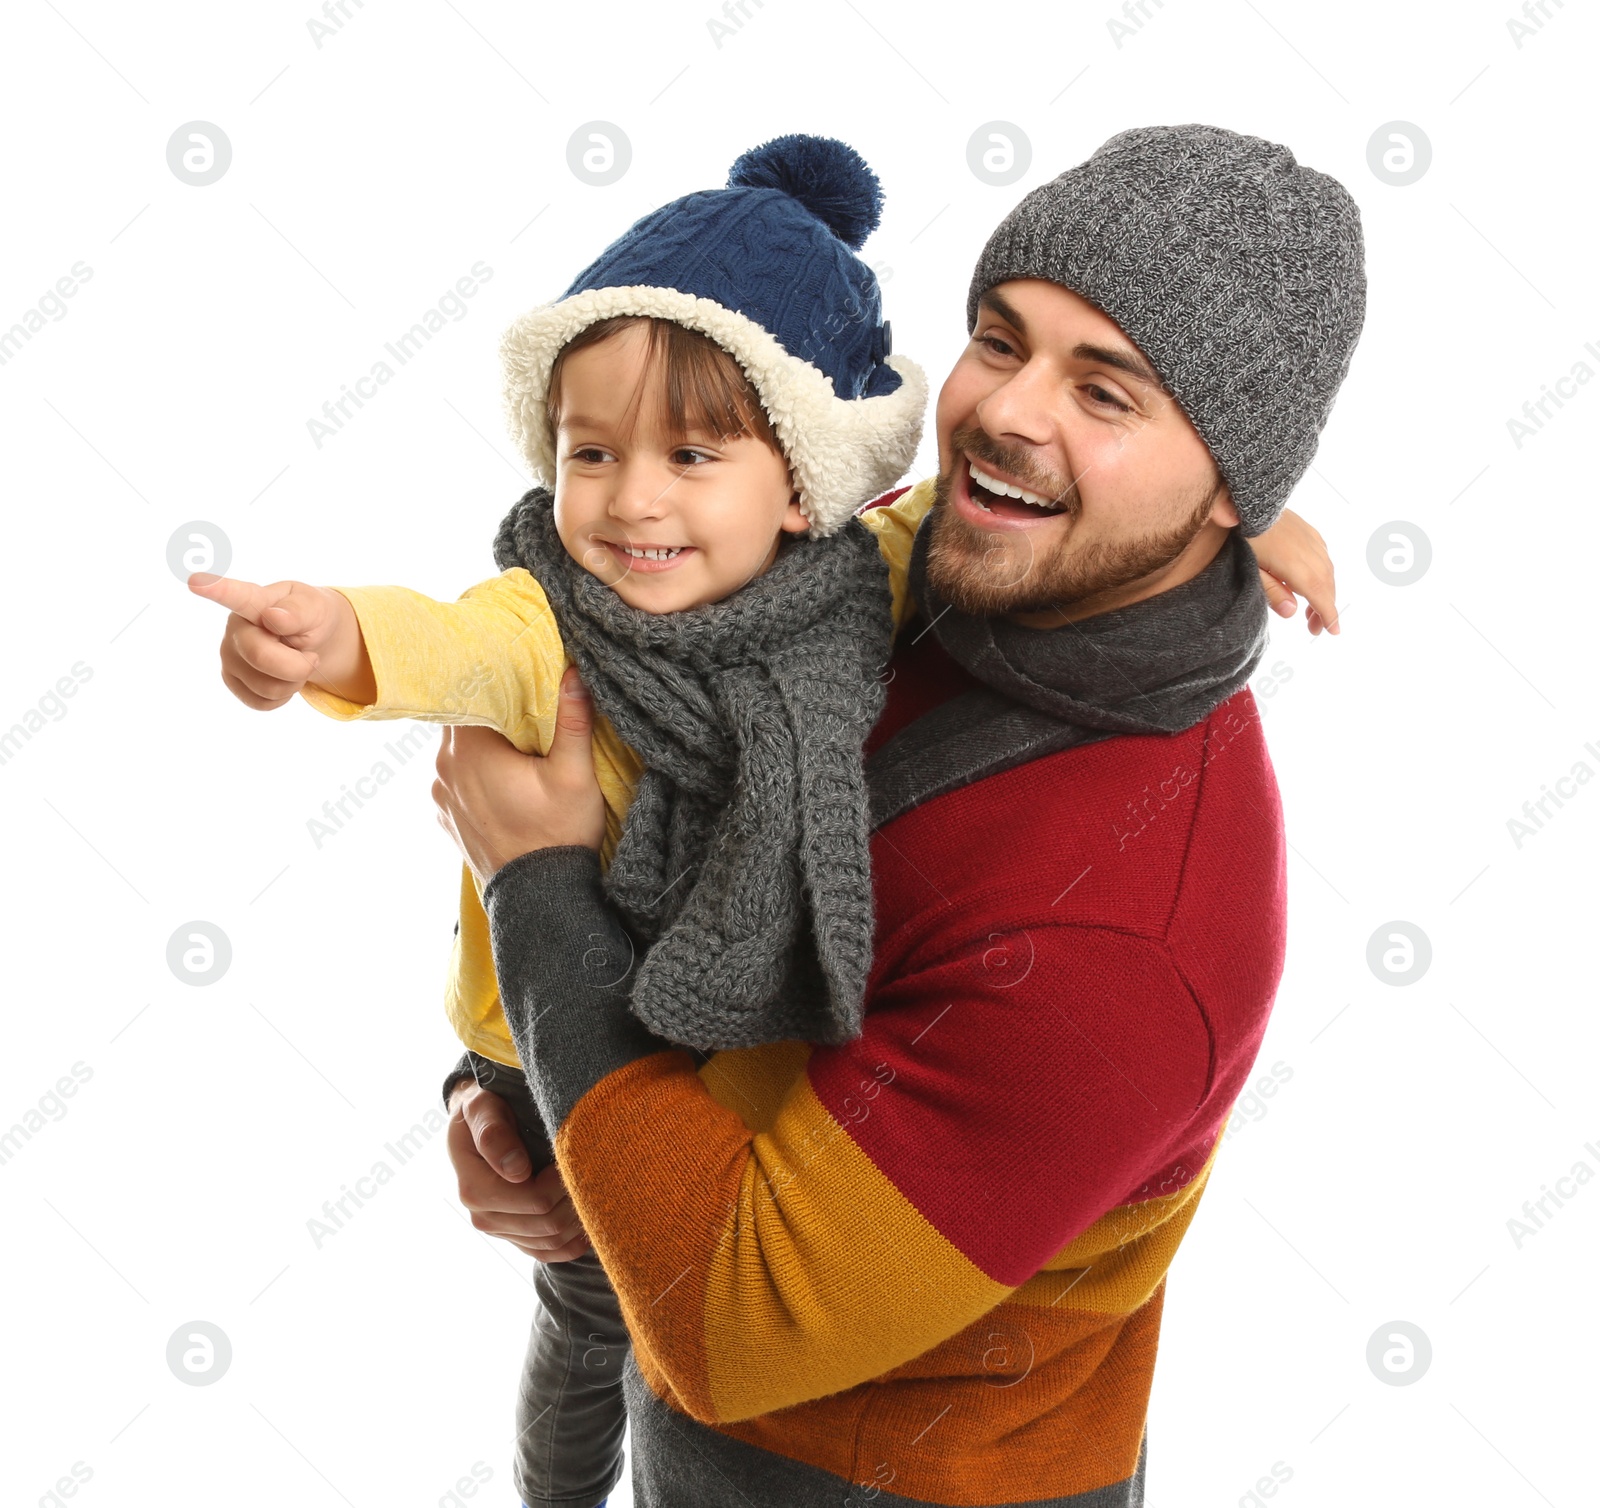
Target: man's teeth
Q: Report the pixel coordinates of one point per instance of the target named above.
(639, 554)
(1005, 489)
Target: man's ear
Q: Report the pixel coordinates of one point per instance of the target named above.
(1222, 510)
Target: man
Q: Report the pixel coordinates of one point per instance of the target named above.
(927, 1266)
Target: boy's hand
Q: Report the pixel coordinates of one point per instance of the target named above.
(1292, 558)
(279, 637)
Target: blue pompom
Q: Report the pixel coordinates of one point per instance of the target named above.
(825, 175)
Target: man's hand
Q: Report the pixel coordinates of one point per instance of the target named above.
(534, 1214)
(278, 637)
(498, 804)
(1292, 558)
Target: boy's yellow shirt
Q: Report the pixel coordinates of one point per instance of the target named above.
(494, 659)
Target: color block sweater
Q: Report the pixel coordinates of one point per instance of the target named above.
(926, 1266)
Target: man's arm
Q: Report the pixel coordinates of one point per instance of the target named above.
(1002, 1098)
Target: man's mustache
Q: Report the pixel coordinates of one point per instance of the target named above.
(1016, 463)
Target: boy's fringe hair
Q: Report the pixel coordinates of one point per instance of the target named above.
(698, 387)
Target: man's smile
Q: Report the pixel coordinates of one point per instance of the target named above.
(987, 497)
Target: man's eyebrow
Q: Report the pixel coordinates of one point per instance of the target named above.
(1120, 357)
(1123, 358)
(1004, 310)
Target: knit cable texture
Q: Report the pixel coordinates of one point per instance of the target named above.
(743, 866)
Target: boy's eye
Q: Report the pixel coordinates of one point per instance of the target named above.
(591, 454)
(687, 456)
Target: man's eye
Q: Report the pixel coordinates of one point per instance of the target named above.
(1102, 396)
(995, 344)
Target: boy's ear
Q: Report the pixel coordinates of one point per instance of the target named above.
(794, 520)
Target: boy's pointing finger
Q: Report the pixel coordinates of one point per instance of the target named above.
(241, 597)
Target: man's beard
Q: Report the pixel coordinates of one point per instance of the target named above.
(986, 572)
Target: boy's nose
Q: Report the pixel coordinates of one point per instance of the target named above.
(641, 492)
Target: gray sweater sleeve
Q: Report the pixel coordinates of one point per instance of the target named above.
(565, 964)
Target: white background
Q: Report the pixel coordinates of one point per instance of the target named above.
(368, 174)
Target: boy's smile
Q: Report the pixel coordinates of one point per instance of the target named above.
(649, 559)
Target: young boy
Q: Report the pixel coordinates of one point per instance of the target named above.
(711, 400)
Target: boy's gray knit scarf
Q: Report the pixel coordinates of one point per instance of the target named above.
(743, 862)
(1156, 666)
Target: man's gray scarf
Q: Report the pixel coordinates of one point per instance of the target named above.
(743, 862)
(1156, 666)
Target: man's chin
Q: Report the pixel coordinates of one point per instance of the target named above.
(986, 572)
(1012, 572)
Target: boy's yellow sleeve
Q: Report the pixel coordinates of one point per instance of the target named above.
(492, 658)
(895, 524)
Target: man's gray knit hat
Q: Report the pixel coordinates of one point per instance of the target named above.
(1236, 271)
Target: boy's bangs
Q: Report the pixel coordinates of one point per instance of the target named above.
(692, 385)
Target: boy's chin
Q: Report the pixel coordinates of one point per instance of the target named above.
(657, 596)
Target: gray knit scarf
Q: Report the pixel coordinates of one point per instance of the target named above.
(743, 863)
(1156, 666)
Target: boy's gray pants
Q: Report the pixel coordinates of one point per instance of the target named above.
(570, 1413)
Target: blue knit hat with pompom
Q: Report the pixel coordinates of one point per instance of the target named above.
(767, 268)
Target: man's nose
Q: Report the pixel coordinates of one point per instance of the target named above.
(1022, 410)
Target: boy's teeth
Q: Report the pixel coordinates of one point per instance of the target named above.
(639, 554)
(1005, 489)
